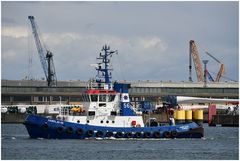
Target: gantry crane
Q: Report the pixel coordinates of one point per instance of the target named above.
(198, 66)
(46, 56)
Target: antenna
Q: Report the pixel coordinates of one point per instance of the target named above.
(103, 67)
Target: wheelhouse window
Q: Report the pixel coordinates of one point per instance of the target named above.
(111, 97)
(85, 98)
(94, 98)
(102, 98)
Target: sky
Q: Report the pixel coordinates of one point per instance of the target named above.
(152, 38)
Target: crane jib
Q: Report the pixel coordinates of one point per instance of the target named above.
(46, 57)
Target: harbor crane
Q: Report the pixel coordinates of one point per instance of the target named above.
(198, 66)
(46, 56)
(221, 69)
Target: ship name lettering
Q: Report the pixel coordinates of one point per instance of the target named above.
(55, 121)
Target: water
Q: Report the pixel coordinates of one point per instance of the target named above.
(219, 143)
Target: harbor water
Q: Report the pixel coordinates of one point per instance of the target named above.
(219, 143)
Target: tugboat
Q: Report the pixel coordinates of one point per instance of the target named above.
(107, 113)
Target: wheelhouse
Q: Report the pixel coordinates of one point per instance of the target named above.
(99, 96)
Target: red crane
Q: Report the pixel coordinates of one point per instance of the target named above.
(198, 66)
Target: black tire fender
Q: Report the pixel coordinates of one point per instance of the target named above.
(147, 134)
(45, 126)
(80, 131)
(90, 133)
(174, 133)
(109, 134)
(156, 134)
(128, 134)
(167, 134)
(69, 130)
(138, 135)
(99, 134)
(60, 129)
(119, 134)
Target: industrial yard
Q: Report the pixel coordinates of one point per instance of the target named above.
(120, 80)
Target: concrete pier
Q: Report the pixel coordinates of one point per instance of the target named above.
(226, 120)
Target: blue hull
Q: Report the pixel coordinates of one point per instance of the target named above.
(41, 127)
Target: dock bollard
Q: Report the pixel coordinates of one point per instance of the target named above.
(179, 116)
(198, 116)
(188, 116)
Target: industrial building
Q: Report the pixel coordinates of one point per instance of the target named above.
(69, 92)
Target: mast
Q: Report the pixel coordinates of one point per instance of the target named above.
(103, 68)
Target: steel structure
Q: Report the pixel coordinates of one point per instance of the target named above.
(197, 62)
(198, 66)
(46, 56)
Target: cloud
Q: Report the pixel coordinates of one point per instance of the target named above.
(152, 38)
(15, 32)
(133, 52)
(79, 49)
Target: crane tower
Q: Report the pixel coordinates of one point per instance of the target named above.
(46, 56)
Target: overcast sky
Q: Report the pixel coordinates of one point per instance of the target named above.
(152, 38)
